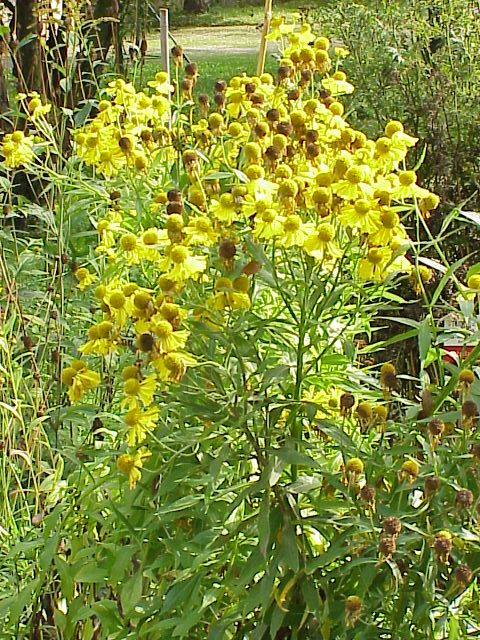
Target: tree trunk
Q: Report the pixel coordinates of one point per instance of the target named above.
(196, 6)
(27, 60)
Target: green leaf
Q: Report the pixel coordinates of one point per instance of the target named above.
(131, 592)
(91, 572)
(288, 547)
(304, 484)
(291, 456)
(424, 339)
(66, 577)
(22, 600)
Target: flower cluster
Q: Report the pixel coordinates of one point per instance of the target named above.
(274, 163)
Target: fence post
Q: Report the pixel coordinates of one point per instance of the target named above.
(263, 43)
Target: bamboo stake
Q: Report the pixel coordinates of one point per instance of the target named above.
(262, 54)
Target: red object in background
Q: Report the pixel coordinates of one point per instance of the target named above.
(461, 351)
(454, 341)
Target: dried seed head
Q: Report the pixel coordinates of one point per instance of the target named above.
(443, 545)
(463, 574)
(388, 376)
(220, 86)
(285, 128)
(464, 498)
(475, 449)
(432, 484)
(469, 409)
(387, 546)
(273, 115)
(368, 493)
(284, 72)
(392, 526)
(347, 401)
(219, 99)
(252, 268)
(145, 342)
(174, 195)
(436, 427)
(227, 249)
(174, 208)
(191, 69)
(313, 150)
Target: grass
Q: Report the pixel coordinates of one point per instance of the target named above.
(244, 13)
(212, 67)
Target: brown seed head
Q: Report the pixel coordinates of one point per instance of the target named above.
(387, 546)
(175, 207)
(284, 72)
(464, 498)
(392, 526)
(368, 493)
(145, 342)
(227, 249)
(436, 427)
(174, 195)
(469, 409)
(463, 574)
(432, 484)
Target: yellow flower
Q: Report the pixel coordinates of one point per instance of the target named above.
(320, 244)
(138, 393)
(101, 341)
(225, 208)
(200, 231)
(294, 231)
(171, 367)
(407, 187)
(84, 277)
(139, 422)
(388, 228)
(268, 225)
(373, 266)
(131, 465)
(35, 107)
(167, 338)
(119, 305)
(337, 84)
(362, 216)
(17, 149)
(79, 379)
(179, 265)
(356, 184)
(160, 84)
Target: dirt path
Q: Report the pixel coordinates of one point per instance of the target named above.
(213, 40)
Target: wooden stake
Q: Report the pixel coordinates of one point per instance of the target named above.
(165, 52)
(262, 54)
(164, 41)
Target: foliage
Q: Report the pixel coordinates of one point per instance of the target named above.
(195, 442)
(419, 64)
